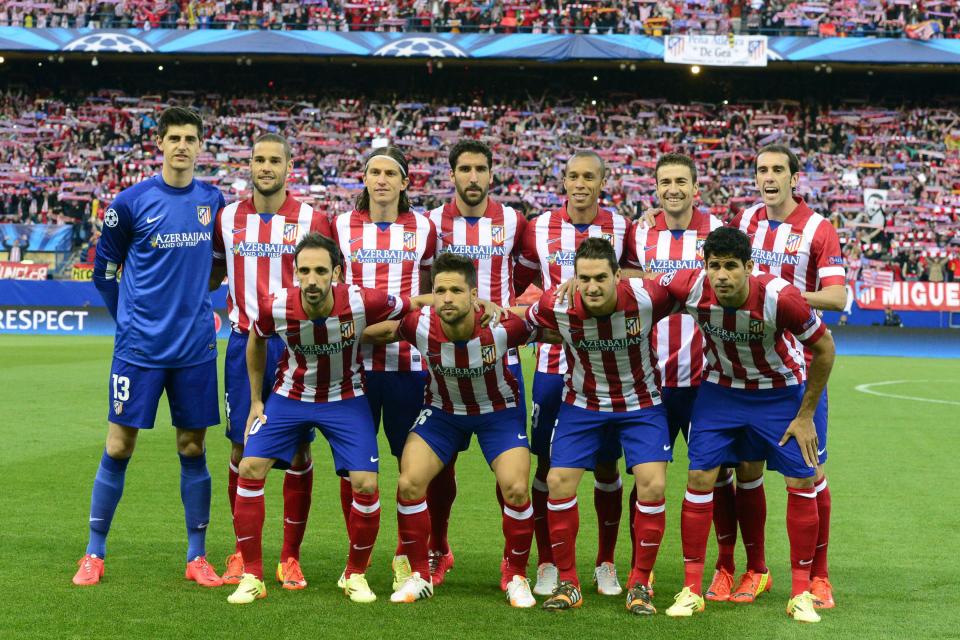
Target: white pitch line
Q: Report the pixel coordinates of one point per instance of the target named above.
(868, 388)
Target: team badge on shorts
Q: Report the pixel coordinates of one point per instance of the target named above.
(489, 353)
(203, 214)
(497, 234)
(409, 240)
(117, 407)
(347, 330)
(634, 326)
(793, 243)
(290, 233)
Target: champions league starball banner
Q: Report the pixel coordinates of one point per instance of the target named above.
(518, 46)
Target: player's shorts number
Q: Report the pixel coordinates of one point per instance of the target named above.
(226, 404)
(534, 416)
(121, 388)
(422, 418)
(255, 426)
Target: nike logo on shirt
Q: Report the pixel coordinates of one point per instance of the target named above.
(152, 220)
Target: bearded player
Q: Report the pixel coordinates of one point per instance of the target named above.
(475, 226)
(549, 245)
(254, 242)
(757, 401)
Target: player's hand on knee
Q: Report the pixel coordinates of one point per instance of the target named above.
(806, 435)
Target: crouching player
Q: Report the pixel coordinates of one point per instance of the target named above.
(469, 391)
(319, 384)
(757, 402)
(609, 389)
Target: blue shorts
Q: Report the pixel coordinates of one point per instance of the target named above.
(678, 402)
(497, 431)
(236, 392)
(548, 391)
(395, 397)
(819, 421)
(746, 425)
(346, 424)
(191, 393)
(581, 433)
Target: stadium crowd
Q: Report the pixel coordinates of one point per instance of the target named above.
(923, 19)
(62, 158)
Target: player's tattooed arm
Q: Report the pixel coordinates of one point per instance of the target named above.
(549, 336)
(381, 333)
(802, 427)
(256, 364)
(832, 298)
(218, 271)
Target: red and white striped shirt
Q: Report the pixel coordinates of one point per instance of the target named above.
(491, 241)
(804, 249)
(258, 250)
(322, 361)
(466, 377)
(613, 365)
(658, 249)
(549, 245)
(750, 347)
(387, 256)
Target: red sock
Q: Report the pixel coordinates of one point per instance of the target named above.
(695, 520)
(441, 493)
(413, 533)
(608, 500)
(363, 530)
(517, 536)
(819, 568)
(632, 510)
(725, 522)
(248, 524)
(802, 525)
(297, 492)
(346, 500)
(650, 521)
(752, 515)
(564, 519)
(541, 526)
(233, 477)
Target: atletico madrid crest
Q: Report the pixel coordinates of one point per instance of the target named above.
(793, 243)
(634, 326)
(117, 407)
(756, 326)
(700, 243)
(608, 237)
(346, 330)
(203, 214)
(410, 240)
(290, 233)
(497, 233)
(488, 353)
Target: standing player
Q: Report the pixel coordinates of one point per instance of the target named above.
(469, 390)
(549, 244)
(756, 395)
(254, 241)
(475, 226)
(159, 231)
(386, 245)
(319, 384)
(675, 241)
(793, 242)
(610, 393)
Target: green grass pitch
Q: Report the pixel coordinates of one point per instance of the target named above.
(892, 471)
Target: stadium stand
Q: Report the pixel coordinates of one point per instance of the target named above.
(891, 18)
(887, 177)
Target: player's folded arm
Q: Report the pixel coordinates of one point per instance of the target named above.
(381, 333)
